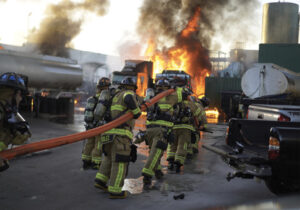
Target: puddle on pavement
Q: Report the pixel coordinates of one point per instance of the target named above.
(171, 181)
(166, 186)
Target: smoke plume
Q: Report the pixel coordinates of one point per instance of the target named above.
(60, 25)
(231, 20)
(182, 31)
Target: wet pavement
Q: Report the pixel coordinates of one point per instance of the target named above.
(53, 179)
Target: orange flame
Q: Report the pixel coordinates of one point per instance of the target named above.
(187, 55)
(212, 115)
(151, 48)
(142, 82)
(192, 25)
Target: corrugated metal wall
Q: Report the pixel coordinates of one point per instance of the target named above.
(214, 86)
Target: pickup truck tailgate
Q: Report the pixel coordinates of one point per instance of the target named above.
(253, 134)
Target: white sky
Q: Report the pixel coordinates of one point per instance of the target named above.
(98, 34)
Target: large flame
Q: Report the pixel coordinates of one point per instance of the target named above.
(187, 54)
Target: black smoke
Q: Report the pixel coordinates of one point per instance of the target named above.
(162, 20)
(60, 25)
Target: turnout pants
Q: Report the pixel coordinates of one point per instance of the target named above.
(179, 149)
(92, 150)
(192, 147)
(196, 145)
(157, 144)
(114, 165)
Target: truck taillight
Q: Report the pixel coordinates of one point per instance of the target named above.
(283, 118)
(226, 138)
(274, 148)
(247, 114)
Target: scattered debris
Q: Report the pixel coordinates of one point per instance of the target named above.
(180, 196)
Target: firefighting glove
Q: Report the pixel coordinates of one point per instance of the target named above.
(193, 138)
(140, 137)
(22, 127)
(20, 138)
(133, 153)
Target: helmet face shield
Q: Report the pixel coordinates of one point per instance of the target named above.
(14, 78)
(129, 83)
(103, 82)
(14, 81)
(205, 101)
(4, 77)
(163, 84)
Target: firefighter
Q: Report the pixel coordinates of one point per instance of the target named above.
(183, 127)
(117, 142)
(158, 133)
(12, 130)
(193, 147)
(91, 154)
(203, 103)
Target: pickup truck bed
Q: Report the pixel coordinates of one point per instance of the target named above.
(253, 134)
(274, 112)
(246, 149)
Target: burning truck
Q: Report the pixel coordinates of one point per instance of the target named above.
(142, 72)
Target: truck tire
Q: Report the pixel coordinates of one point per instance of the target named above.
(281, 187)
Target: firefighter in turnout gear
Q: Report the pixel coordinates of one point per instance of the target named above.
(202, 125)
(202, 104)
(13, 130)
(159, 130)
(92, 153)
(183, 127)
(117, 142)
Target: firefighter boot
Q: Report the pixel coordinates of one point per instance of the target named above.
(86, 164)
(95, 166)
(189, 156)
(147, 180)
(121, 195)
(171, 164)
(101, 185)
(159, 174)
(177, 166)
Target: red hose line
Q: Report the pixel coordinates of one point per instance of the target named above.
(69, 139)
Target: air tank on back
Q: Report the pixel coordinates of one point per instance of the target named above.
(280, 23)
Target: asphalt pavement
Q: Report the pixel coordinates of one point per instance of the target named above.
(53, 179)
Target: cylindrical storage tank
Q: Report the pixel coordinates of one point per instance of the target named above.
(269, 79)
(280, 23)
(43, 71)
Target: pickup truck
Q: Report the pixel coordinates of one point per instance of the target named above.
(289, 113)
(268, 150)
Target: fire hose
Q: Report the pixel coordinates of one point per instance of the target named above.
(72, 138)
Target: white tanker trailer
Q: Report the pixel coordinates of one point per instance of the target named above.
(51, 80)
(266, 79)
(44, 72)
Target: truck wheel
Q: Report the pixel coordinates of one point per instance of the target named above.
(280, 187)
